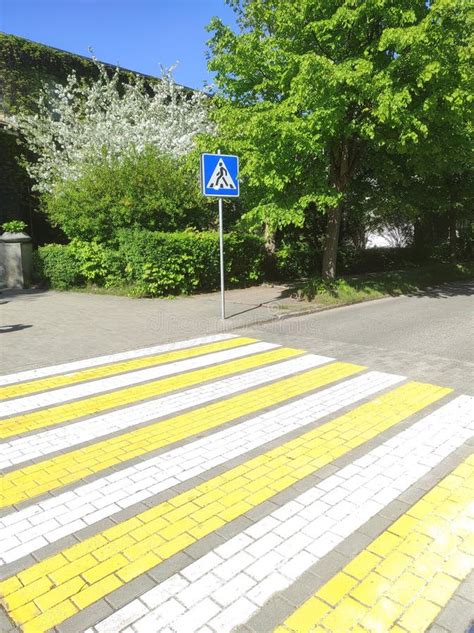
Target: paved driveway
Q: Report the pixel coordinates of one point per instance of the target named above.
(228, 482)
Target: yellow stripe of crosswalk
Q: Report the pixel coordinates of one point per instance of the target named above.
(129, 395)
(54, 382)
(53, 473)
(404, 578)
(45, 594)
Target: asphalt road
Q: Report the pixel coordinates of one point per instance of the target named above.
(440, 322)
(428, 335)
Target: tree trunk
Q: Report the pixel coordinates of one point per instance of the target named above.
(343, 159)
(269, 237)
(331, 243)
(419, 241)
(452, 217)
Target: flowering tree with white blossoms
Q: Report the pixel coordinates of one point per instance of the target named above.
(81, 123)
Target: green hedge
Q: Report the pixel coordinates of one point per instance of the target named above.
(153, 264)
(56, 265)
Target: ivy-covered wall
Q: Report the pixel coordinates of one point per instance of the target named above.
(14, 182)
(24, 68)
(25, 65)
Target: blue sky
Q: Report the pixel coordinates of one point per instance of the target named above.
(137, 34)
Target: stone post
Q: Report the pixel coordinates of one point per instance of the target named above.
(16, 260)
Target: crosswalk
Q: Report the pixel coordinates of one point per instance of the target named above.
(177, 488)
(407, 574)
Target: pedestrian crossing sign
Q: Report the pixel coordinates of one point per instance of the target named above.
(220, 175)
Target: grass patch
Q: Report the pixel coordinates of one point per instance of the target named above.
(353, 289)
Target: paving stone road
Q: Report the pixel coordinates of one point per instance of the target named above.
(227, 483)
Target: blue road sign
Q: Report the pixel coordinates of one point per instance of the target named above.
(220, 175)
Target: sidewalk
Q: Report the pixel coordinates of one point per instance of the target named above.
(85, 325)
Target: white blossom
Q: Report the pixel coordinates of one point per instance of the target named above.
(82, 122)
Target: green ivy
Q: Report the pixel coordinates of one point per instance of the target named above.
(25, 66)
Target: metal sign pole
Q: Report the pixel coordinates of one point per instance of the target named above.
(221, 250)
(220, 179)
(221, 254)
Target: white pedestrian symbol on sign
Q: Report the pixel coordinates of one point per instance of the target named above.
(220, 178)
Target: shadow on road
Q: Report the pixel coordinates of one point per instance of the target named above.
(271, 304)
(4, 329)
(446, 291)
(10, 293)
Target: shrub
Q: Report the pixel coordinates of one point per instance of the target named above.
(14, 226)
(296, 259)
(57, 266)
(97, 264)
(372, 260)
(151, 263)
(145, 190)
(245, 257)
(160, 264)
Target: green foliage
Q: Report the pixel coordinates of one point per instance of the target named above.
(25, 66)
(64, 266)
(142, 190)
(152, 264)
(378, 259)
(97, 264)
(160, 264)
(14, 226)
(295, 259)
(57, 266)
(309, 89)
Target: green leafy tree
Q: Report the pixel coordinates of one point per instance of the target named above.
(308, 88)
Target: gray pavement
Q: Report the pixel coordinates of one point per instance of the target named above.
(427, 336)
(46, 327)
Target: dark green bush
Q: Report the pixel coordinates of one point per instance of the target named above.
(144, 190)
(151, 263)
(296, 259)
(57, 266)
(174, 263)
(245, 257)
(371, 260)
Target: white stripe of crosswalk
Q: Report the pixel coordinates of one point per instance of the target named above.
(65, 394)
(46, 442)
(233, 581)
(70, 511)
(65, 368)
